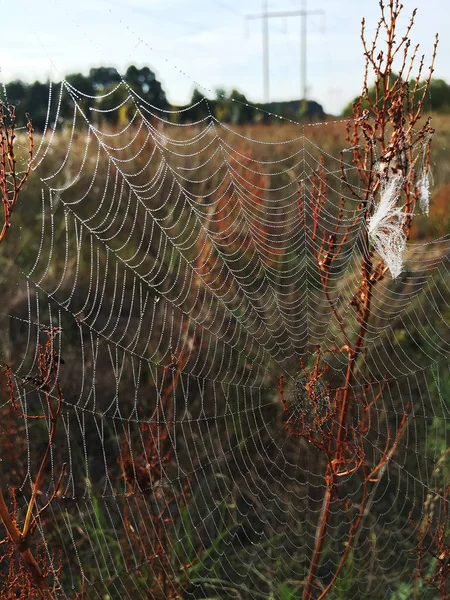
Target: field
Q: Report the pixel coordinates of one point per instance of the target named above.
(156, 283)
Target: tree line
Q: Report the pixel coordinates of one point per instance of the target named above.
(437, 98)
(103, 97)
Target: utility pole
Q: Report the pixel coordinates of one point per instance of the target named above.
(303, 50)
(265, 16)
(265, 28)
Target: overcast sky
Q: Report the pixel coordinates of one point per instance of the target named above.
(207, 43)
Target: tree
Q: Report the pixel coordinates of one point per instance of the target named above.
(117, 100)
(16, 93)
(371, 93)
(241, 110)
(233, 108)
(144, 83)
(437, 98)
(197, 97)
(198, 107)
(81, 83)
(103, 78)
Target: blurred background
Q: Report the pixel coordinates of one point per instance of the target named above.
(160, 259)
(211, 44)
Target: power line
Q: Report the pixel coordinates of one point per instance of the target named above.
(265, 16)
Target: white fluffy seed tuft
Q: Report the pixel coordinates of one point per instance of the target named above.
(386, 225)
(424, 191)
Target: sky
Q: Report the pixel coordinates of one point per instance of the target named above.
(208, 44)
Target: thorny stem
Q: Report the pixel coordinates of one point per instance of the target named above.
(432, 534)
(353, 529)
(146, 475)
(320, 532)
(36, 486)
(394, 111)
(48, 373)
(10, 182)
(25, 552)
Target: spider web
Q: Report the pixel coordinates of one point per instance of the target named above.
(174, 277)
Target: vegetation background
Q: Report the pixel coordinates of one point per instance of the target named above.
(214, 536)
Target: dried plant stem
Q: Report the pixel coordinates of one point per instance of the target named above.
(144, 477)
(386, 147)
(53, 417)
(320, 533)
(22, 546)
(331, 476)
(10, 182)
(46, 381)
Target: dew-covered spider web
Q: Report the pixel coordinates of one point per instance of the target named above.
(158, 280)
